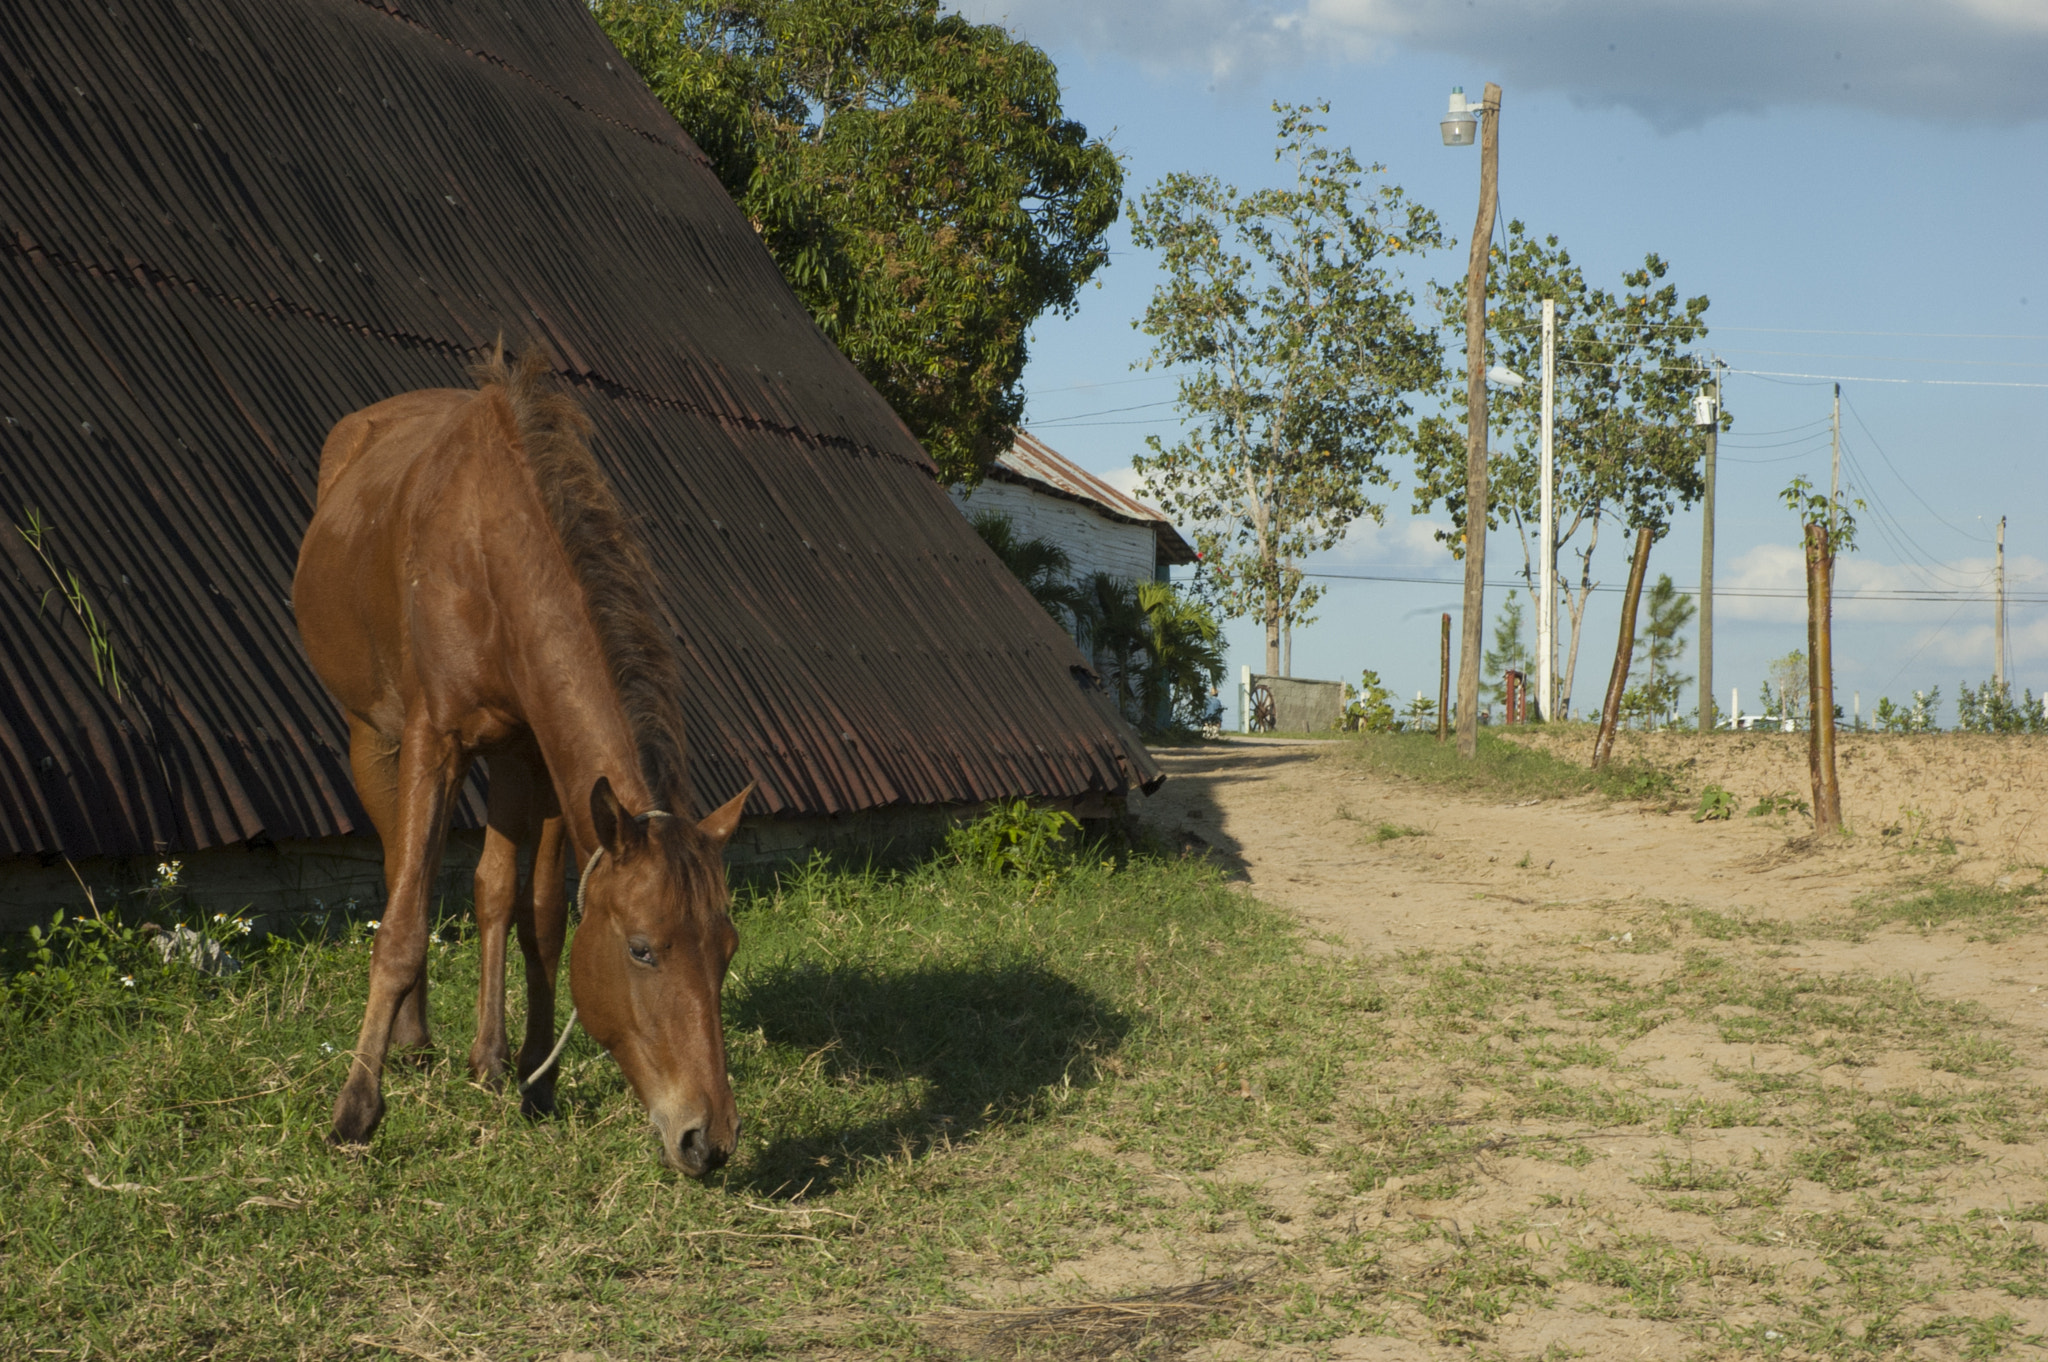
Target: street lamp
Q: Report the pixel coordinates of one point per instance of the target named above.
(1461, 124)
(1459, 127)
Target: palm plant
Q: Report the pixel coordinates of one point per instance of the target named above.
(1041, 565)
(1185, 654)
(1118, 635)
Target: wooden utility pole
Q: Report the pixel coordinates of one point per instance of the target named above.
(1475, 424)
(1820, 678)
(1624, 651)
(1998, 623)
(1835, 477)
(1443, 689)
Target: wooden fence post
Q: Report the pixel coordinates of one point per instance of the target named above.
(1624, 652)
(1443, 688)
(1820, 679)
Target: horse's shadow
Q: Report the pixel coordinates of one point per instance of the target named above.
(896, 1063)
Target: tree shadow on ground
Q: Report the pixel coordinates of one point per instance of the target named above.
(904, 1060)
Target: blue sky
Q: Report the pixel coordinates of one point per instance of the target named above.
(1859, 187)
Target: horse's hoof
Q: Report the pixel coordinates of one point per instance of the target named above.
(356, 1117)
(413, 1056)
(538, 1101)
(490, 1068)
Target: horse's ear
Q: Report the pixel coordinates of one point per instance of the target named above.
(720, 824)
(617, 833)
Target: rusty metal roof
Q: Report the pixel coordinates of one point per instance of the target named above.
(226, 223)
(1031, 461)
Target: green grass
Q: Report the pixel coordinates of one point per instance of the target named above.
(918, 1060)
(1981, 912)
(953, 1080)
(1504, 769)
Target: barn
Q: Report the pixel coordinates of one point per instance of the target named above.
(225, 224)
(1048, 496)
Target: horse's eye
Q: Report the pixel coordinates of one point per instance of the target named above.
(641, 952)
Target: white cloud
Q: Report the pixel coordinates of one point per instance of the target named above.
(1675, 62)
(1129, 481)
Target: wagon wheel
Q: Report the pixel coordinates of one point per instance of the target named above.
(1262, 709)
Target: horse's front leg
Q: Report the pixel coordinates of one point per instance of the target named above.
(542, 927)
(502, 897)
(431, 766)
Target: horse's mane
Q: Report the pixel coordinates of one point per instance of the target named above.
(608, 560)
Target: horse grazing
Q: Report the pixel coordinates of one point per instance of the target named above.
(469, 587)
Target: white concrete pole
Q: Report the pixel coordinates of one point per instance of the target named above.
(1546, 609)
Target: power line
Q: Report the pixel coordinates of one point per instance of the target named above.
(1874, 444)
(1786, 331)
(1929, 596)
(1106, 411)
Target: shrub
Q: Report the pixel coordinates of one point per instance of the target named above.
(1716, 806)
(1016, 837)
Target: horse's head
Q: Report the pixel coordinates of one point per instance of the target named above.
(647, 965)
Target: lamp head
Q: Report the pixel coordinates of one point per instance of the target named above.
(1503, 377)
(1460, 125)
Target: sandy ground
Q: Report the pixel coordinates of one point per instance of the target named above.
(1555, 880)
(1302, 822)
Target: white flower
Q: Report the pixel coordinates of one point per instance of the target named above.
(128, 981)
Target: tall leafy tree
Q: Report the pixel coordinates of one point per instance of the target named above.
(1296, 345)
(911, 172)
(1626, 373)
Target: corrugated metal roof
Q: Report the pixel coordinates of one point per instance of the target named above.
(227, 223)
(1031, 460)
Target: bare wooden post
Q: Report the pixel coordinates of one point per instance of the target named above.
(1820, 679)
(1624, 651)
(1443, 686)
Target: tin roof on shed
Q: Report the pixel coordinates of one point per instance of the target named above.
(227, 223)
(1032, 461)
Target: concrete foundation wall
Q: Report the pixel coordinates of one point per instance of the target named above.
(277, 884)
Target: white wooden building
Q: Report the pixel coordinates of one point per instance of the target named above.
(1049, 497)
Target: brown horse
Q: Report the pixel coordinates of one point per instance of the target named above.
(469, 587)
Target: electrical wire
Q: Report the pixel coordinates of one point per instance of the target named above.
(1907, 595)
(1874, 444)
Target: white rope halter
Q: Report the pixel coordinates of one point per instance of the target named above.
(582, 883)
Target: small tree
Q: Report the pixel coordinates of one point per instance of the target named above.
(1509, 651)
(1990, 708)
(1786, 699)
(1296, 346)
(1919, 717)
(1373, 709)
(1659, 648)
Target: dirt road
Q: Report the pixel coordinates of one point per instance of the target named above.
(1768, 1187)
(1390, 866)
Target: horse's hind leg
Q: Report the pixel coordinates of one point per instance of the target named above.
(542, 924)
(421, 792)
(501, 896)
